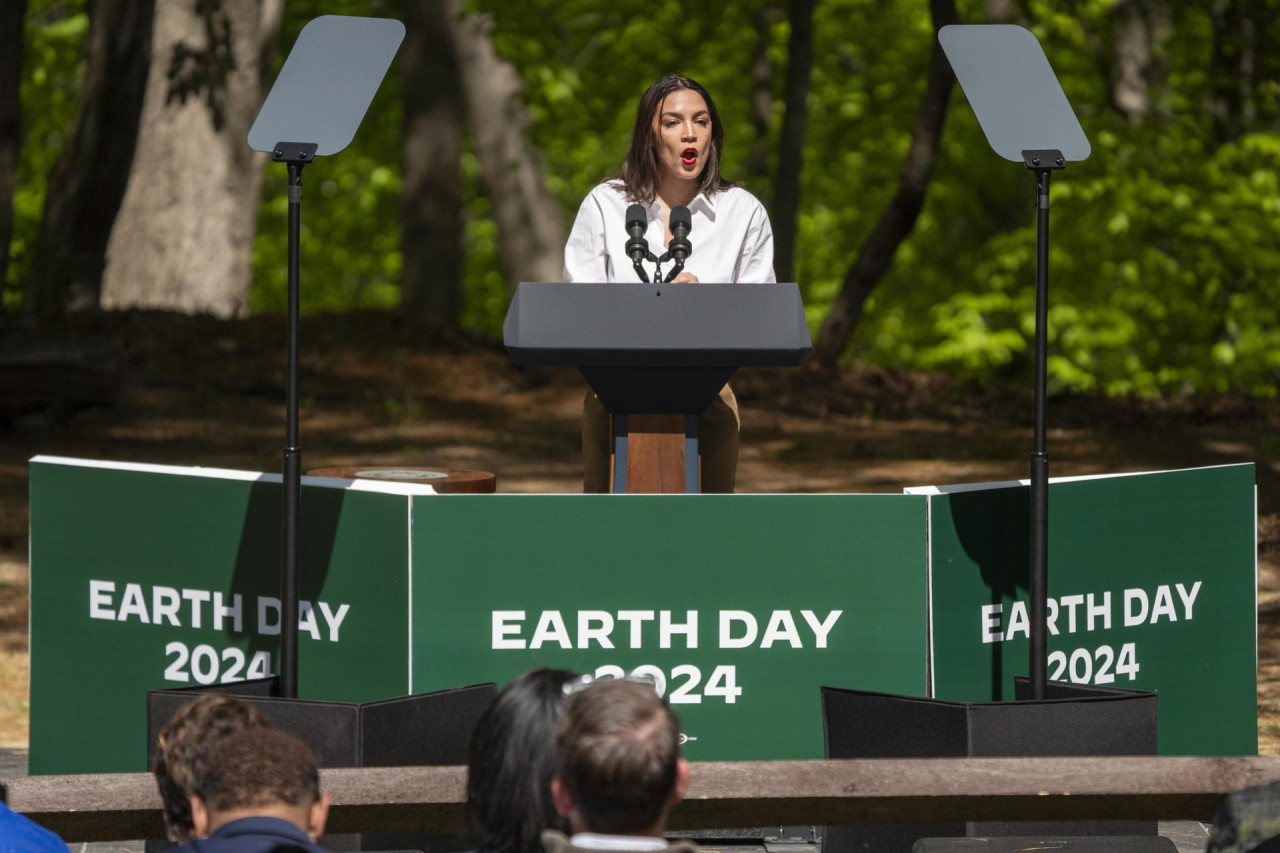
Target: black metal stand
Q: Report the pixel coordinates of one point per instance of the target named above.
(675, 270)
(321, 94)
(1043, 163)
(295, 155)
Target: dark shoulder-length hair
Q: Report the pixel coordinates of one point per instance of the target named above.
(640, 170)
(182, 754)
(510, 763)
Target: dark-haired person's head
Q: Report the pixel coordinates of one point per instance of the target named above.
(620, 764)
(182, 757)
(671, 108)
(260, 773)
(510, 762)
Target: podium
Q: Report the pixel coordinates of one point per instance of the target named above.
(656, 355)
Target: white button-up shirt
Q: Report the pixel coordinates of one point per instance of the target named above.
(731, 236)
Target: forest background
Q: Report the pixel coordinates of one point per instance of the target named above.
(129, 182)
(143, 245)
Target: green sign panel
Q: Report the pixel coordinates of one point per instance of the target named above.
(740, 606)
(1152, 586)
(155, 577)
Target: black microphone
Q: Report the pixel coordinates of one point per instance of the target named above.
(637, 246)
(681, 224)
(679, 248)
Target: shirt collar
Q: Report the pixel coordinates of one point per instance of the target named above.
(701, 201)
(706, 202)
(261, 826)
(597, 841)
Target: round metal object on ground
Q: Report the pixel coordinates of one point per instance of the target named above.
(443, 480)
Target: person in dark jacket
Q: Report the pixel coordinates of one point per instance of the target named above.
(260, 793)
(620, 771)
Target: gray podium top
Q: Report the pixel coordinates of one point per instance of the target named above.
(327, 83)
(656, 325)
(1013, 90)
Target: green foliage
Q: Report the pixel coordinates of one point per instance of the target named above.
(54, 46)
(583, 117)
(486, 287)
(1165, 273)
(864, 97)
(1166, 241)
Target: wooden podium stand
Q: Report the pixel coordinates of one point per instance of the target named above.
(656, 355)
(656, 456)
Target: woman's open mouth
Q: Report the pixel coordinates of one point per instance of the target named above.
(689, 156)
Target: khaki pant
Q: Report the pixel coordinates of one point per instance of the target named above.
(718, 430)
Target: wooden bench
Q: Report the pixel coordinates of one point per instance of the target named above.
(123, 806)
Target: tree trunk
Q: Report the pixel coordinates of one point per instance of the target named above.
(761, 97)
(1129, 90)
(530, 223)
(1231, 68)
(876, 253)
(1131, 56)
(12, 16)
(431, 193)
(997, 11)
(88, 182)
(786, 188)
(184, 237)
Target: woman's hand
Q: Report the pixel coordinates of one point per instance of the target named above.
(685, 278)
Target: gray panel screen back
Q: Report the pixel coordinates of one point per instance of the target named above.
(1013, 90)
(327, 83)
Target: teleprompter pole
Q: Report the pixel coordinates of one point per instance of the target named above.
(321, 94)
(1019, 102)
(295, 156)
(1043, 163)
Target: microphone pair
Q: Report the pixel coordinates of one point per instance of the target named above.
(678, 249)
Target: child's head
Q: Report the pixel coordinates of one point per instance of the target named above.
(259, 773)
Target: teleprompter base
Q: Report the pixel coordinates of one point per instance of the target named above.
(1072, 719)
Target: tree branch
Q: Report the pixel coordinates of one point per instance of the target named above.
(876, 253)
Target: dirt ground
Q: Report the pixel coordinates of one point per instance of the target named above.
(156, 387)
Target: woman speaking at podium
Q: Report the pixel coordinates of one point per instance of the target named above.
(673, 161)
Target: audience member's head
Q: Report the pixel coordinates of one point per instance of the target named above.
(259, 773)
(510, 762)
(184, 745)
(620, 764)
